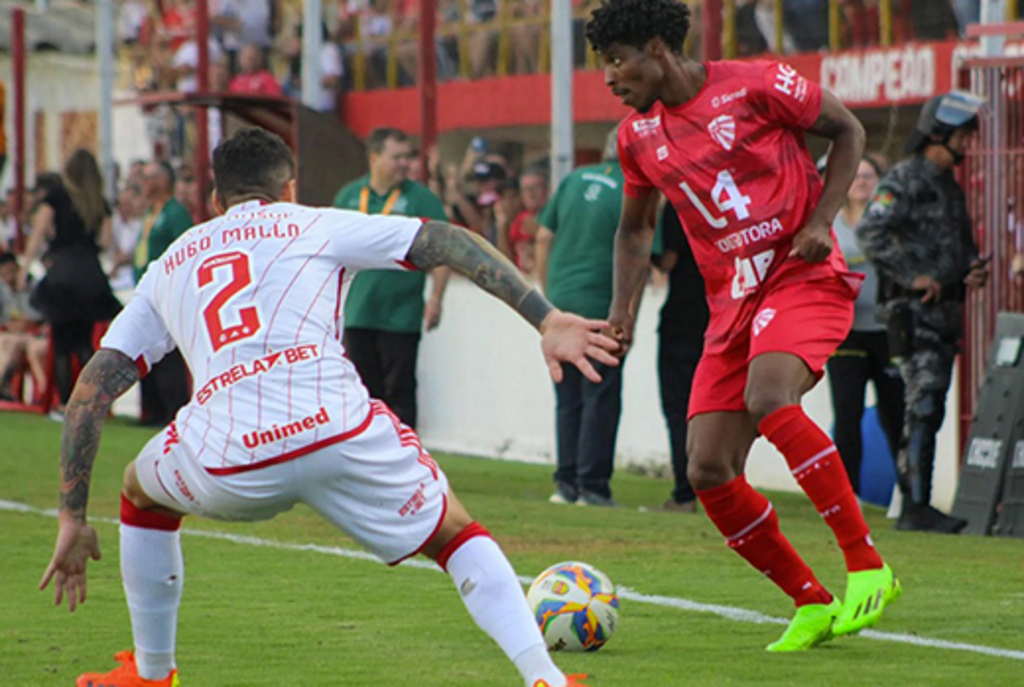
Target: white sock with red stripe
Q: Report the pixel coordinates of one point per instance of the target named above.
(153, 574)
(494, 598)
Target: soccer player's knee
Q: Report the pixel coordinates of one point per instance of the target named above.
(707, 466)
(763, 400)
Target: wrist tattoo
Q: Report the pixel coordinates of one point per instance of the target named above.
(534, 308)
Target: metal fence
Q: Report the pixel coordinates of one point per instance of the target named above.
(993, 177)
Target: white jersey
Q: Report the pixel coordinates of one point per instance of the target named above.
(254, 300)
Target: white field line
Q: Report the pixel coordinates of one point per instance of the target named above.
(727, 612)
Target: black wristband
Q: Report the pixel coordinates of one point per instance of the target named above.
(534, 307)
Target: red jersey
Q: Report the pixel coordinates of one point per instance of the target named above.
(261, 83)
(734, 165)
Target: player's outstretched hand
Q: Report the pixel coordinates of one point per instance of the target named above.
(568, 338)
(813, 243)
(76, 544)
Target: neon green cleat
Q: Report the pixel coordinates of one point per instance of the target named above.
(868, 592)
(811, 626)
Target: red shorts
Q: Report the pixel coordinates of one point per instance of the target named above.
(808, 319)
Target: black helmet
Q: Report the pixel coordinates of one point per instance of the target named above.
(944, 114)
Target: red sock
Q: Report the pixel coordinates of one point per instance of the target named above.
(814, 462)
(751, 528)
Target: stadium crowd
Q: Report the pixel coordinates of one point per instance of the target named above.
(476, 38)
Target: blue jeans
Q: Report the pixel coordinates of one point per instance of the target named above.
(587, 423)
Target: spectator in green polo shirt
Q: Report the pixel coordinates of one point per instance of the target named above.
(575, 244)
(166, 388)
(386, 310)
(166, 219)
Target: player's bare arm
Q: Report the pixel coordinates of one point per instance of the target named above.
(839, 125)
(566, 337)
(107, 376)
(633, 241)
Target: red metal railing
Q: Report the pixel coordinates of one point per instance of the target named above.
(993, 178)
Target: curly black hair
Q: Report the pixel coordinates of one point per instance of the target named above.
(635, 22)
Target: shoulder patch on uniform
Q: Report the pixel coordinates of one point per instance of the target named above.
(882, 201)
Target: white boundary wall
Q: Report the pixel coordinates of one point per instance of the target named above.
(56, 83)
(484, 390)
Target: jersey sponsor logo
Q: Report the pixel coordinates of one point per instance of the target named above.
(646, 127)
(750, 235)
(720, 100)
(415, 502)
(662, 153)
(180, 483)
(236, 373)
(723, 130)
(258, 438)
(763, 319)
(750, 274)
(788, 81)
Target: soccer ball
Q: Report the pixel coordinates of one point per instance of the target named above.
(575, 606)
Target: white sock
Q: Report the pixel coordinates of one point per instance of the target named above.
(153, 574)
(494, 598)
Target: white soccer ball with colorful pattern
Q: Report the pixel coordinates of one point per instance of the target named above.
(575, 606)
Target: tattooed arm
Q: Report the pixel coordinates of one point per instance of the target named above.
(814, 242)
(106, 377)
(440, 243)
(565, 337)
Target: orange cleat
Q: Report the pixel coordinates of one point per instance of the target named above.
(573, 681)
(125, 675)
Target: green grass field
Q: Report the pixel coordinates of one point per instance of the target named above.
(260, 615)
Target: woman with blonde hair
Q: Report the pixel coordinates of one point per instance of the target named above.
(71, 222)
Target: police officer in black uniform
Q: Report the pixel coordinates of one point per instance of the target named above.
(918, 235)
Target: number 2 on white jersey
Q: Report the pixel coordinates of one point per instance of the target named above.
(726, 195)
(241, 277)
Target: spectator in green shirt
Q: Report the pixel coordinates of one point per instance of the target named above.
(385, 310)
(167, 386)
(575, 244)
(166, 219)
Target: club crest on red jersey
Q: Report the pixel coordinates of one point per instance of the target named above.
(723, 129)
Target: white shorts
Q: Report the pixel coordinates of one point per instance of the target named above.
(380, 487)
